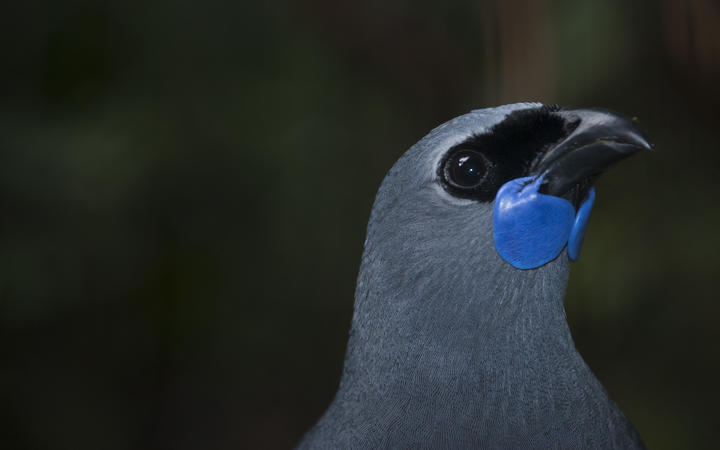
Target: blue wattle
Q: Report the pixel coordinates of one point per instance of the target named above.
(531, 229)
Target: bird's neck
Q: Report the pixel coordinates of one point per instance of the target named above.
(482, 363)
(411, 330)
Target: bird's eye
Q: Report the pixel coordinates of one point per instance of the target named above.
(465, 169)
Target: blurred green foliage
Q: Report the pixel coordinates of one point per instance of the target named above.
(184, 189)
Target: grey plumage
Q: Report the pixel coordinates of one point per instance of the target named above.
(451, 346)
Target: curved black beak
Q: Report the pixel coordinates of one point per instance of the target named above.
(599, 139)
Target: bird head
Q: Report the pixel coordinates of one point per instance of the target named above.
(521, 172)
(487, 203)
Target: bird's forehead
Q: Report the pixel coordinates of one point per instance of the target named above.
(480, 120)
(433, 146)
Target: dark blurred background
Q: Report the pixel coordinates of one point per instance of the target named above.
(184, 189)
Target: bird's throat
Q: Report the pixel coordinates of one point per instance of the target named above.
(470, 334)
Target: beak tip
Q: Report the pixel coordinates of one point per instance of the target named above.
(636, 137)
(644, 143)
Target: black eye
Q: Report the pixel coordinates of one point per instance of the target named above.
(465, 169)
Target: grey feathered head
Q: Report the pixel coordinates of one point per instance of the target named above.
(432, 221)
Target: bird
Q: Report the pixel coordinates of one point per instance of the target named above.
(459, 337)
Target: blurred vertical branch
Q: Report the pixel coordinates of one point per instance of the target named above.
(519, 52)
(692, 36)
